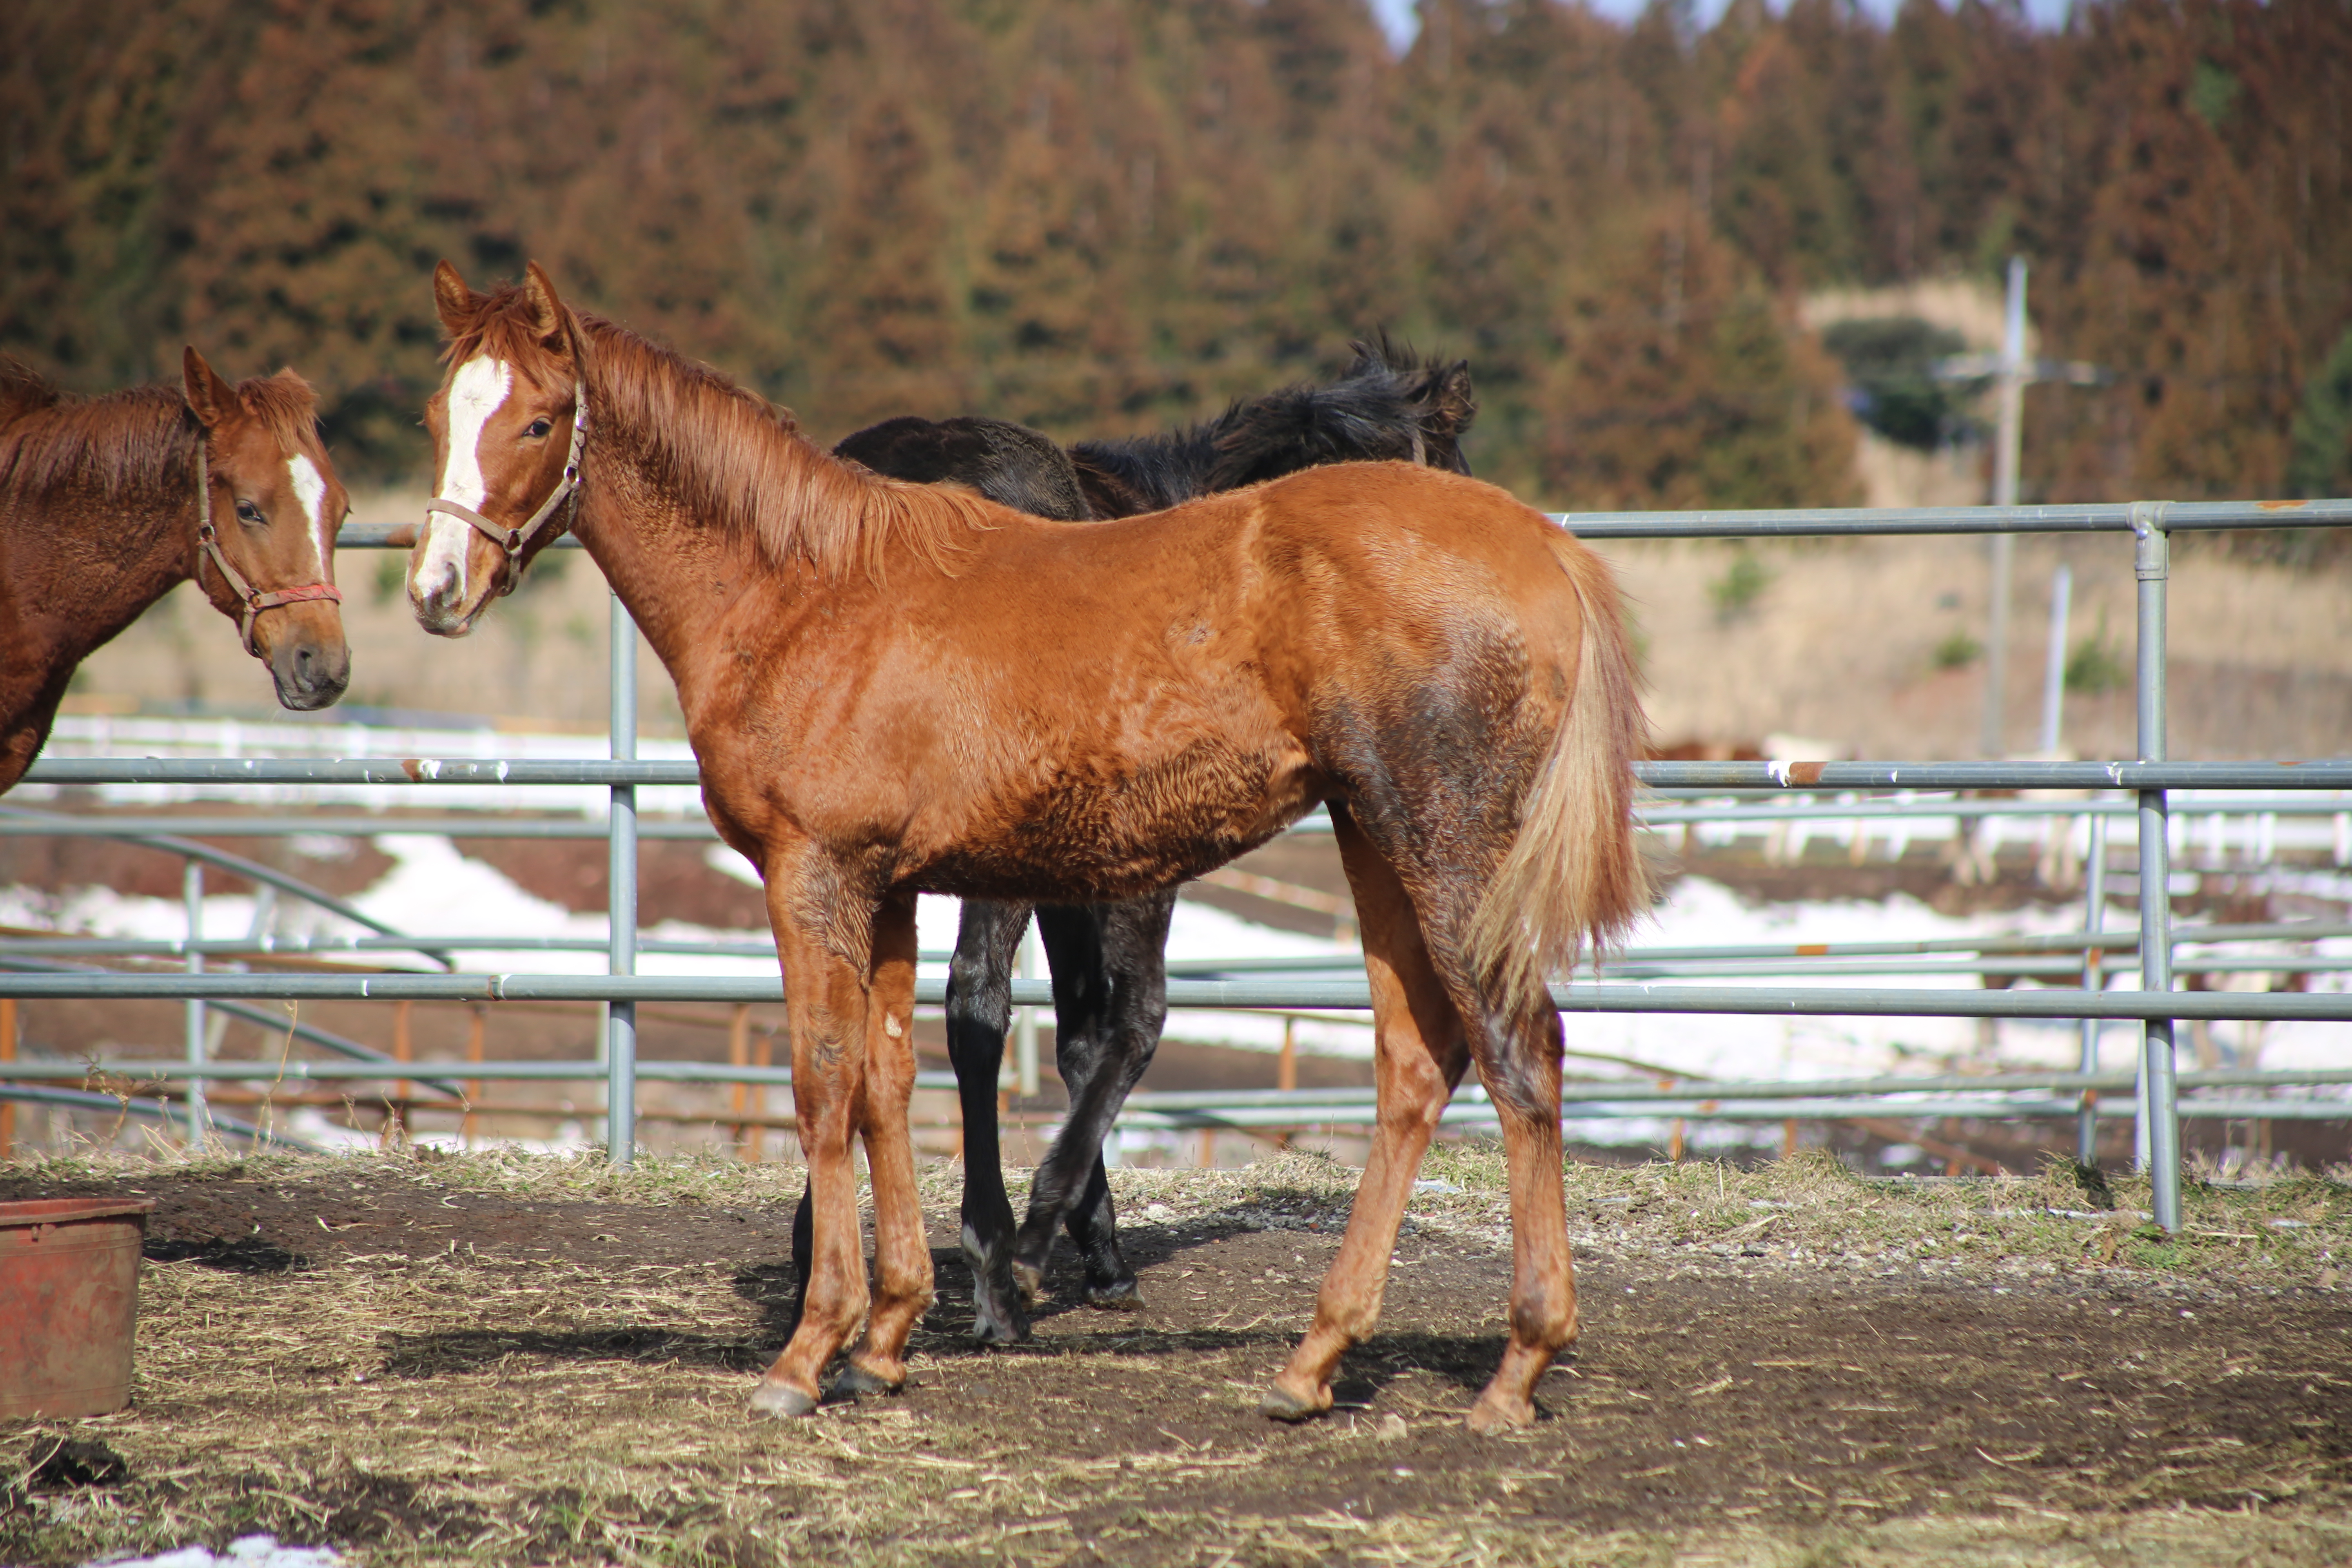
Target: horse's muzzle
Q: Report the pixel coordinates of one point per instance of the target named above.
(311, 672)
(444, 611)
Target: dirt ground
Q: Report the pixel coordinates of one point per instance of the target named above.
(496, 1359)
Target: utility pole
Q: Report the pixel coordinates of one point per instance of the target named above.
(2008, 436)
(2053, 675)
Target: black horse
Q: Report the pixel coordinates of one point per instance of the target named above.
(1108, 961)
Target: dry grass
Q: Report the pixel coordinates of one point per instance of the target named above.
(456, 1407)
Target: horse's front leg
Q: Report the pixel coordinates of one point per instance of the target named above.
(902, 1254)
(980, 1010)
(825, 997)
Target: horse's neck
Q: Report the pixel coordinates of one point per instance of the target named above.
(674, 577)
(75, 570)
(85, 563)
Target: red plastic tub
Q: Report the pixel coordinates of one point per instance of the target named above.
(68, 1297)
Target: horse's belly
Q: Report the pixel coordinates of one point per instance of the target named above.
(1092, 837)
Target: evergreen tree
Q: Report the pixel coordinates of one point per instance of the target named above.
(2321, 463)
(1100, 217)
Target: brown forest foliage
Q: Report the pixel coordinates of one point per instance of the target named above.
(1099, 216)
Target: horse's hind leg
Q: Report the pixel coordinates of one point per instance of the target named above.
(1420, 1057)
(980, 1010)
(902, 1256)
(1525, 1089)
(1110, 998)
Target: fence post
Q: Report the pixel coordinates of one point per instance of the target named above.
(2094, 920)
(2010, 393)
(1024, 1028)
(192, 890)
(2152, 566)
(7, 1054)
(739, 1054)
(621, 1017)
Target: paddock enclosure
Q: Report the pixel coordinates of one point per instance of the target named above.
(502, 1358)
(427, 1353)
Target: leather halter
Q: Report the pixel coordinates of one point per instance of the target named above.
(514, 539)
(252, 600)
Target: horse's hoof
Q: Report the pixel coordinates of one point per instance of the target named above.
(782, 1399)
(1031, 1281)
(1122, 1296)
(999, 1321)
(1283, 1404)
(990, 1329)
(856, 1379)
(1495, 1414)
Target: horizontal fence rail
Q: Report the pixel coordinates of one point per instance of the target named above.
(1817, 957)
(1806, 808)
(2096, 517)
(1683, 1092)
(1755, 777)
(1251, 995)
(1994, 1097)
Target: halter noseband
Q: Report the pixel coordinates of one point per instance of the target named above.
(251, 600)
(513, 541)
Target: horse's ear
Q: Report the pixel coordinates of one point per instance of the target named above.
(547, 311)
(1377, 352)
(452, 299)
(1454, 402)
(210, 398)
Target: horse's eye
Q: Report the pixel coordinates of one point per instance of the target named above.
(538, 428)
(249, 513)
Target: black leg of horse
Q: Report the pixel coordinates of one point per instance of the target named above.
(1110, 998)
(804, 1241)
(980, 1010)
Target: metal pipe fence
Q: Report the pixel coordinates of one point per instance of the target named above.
(17, 952)
(2151, 780)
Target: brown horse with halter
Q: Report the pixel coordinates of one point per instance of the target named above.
(1442, 667)
(106, 503)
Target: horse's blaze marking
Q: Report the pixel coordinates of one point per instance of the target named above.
(891, 1025)
(310, 490)
(477, 391)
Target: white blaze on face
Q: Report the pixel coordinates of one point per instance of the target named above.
(310, 490)
(476, 392)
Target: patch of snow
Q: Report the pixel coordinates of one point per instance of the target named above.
(245, 1551)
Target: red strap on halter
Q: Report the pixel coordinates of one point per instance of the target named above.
(254, 601)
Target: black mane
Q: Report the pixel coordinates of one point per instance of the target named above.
(1386, 404)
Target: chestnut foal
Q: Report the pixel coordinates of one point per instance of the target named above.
(1108, 961)
(1439, 665)
(106, 503)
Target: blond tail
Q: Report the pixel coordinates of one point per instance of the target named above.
(1574, 875)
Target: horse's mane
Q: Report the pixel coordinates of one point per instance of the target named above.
(736, 459)
(1387, 404)
(49, 439)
